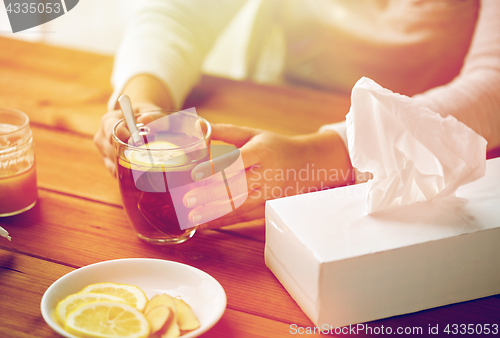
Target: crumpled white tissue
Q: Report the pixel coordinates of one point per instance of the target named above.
(414, 154)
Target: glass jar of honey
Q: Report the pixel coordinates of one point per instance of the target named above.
(18, 188)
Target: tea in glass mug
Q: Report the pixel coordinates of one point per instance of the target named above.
(172, 145)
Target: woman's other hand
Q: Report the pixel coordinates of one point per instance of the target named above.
(275, 166)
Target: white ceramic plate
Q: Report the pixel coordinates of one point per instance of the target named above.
(197, 288)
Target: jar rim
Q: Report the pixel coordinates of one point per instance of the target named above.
(16, 112)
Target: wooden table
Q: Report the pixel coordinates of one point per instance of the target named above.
(78, 219)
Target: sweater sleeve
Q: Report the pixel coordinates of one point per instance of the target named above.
(473, 97)
(169, 39)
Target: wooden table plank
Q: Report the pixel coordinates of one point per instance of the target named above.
(70, 163)
(55, 86)
(87, 232)
(265, 328)
(24, 279)
(69, 90)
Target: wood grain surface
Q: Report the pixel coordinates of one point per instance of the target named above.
(79, 220)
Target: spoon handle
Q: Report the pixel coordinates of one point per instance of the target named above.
(128, 113)
(4, 233)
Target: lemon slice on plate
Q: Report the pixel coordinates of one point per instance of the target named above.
(107, 319)
(70, 303)
(130, 293)
(163, 153)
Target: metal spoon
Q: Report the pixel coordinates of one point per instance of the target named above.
(128, 113)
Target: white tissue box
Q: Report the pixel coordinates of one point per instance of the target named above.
(343, 267)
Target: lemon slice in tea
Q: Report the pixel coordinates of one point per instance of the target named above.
(163, 153)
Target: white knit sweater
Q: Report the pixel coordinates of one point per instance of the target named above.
(444, 53)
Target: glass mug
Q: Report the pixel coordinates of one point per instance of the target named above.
(18, 189)
(171, 145)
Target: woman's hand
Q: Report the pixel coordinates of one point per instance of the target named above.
(146, 93)
(275, 166)
(103, 138)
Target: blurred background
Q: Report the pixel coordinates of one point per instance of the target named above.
(97, 26)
